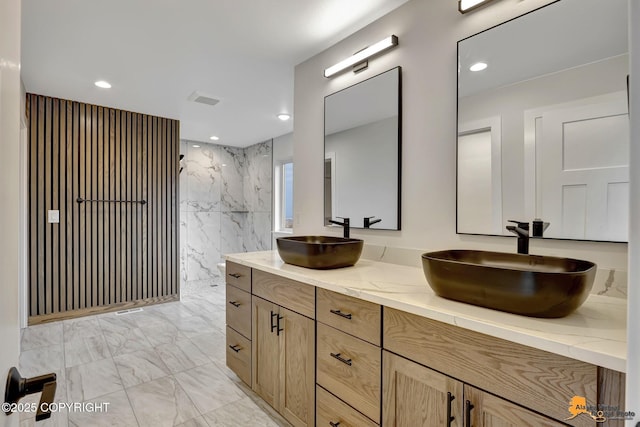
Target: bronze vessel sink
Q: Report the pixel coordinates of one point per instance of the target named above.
(319, 252)
(531, 285)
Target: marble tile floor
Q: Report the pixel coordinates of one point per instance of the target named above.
(163, 366)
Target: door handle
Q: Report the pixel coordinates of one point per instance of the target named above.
(279, 328)
(18, 387)
(273, 325)
(234, 303)
(468, 406)
(450, 418)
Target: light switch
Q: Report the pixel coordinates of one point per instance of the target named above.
(53, 217)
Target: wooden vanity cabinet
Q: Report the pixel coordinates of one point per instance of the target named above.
(283, 345)
(521, 385)
(487, 410)
(238, 319)
(415, 395)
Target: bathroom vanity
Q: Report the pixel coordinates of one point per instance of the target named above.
(373, 345)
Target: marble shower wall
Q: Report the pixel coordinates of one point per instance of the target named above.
(225, 204)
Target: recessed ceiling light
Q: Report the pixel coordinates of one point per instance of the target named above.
(478, 66)
(103, 84)
(284, 117)
(214, 138)
(195, 146)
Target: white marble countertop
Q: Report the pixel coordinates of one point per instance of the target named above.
(595, 333)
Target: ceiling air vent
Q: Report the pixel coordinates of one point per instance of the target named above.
(202, 98)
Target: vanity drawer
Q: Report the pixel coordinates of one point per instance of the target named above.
(296, 296)
(238, 276)
(330, 409)
(350, 369)
(239, 355)
(238, 310)
(362, 319)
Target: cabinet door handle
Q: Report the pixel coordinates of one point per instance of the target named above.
(332, 424)
(468, 406)
(341, 314)
(273, 325)
(342, 359)
(279, 329)
(235, 347)
(235, 275)
(450, 398)
(234, 303)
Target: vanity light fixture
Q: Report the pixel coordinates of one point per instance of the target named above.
(214, 138)
(465, 6)
(103, 84)
(195, 146)
(478, 66)
(363, 55)
(284, 117)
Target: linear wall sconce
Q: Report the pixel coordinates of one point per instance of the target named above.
(363, 55)
(465, 6)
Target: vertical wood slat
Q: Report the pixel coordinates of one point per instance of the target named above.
(144, 174)
(82, 208)
(75, 136)
(100, 253)
(111, 269)
(47, 202)
(53, 204)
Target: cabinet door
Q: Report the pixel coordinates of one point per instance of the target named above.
(491, 411)
(297, 350)
(414, 395)
(265, 351)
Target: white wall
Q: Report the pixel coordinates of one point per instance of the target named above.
(9, 191)
(428, 32)
(366, 181)
(633, 302)
(511, 101)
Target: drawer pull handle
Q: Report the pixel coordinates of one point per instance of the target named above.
(332, 424)
(450, 398)
(468, 406)
(235, 347)
(235, 275)
(234, 303)
(342, 359)
(341, 314)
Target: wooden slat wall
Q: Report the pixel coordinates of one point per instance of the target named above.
(101, 255)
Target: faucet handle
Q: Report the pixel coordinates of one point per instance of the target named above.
(521, 224)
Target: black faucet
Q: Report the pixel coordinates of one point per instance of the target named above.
(522, 231)
(538, 227)
(344, 224)
(368, 221)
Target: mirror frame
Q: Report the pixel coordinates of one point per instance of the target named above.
(399, 150)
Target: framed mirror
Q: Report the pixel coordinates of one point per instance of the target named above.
(543, 127)
(362, 146)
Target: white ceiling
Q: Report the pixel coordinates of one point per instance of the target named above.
(565, 34)
(157, 53)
